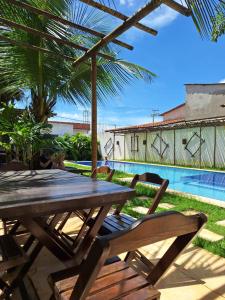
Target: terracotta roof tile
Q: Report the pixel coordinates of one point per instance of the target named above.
(149, 125)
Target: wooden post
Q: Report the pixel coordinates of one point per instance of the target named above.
(174, 146)
(214, 151)
(200, 145)
(146, 136)
(94, 141)
(124, 145)
(114, 144)
(160, 145)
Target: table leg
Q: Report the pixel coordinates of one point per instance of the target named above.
(39, 229)
(22, 271)
(85, 245)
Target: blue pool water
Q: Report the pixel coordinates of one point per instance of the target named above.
(197, 182)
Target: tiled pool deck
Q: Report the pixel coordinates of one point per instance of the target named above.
(196, 275)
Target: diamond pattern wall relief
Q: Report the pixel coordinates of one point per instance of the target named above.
(159, 145)
(194, 144)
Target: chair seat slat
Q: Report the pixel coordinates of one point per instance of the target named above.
(143, 294)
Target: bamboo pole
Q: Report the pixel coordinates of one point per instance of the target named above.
(49, 37)
(146, 137)
(200, 146)
(120, 29)
(174, 146)
(94, 140)
(35, 48)
(214, 150)
(66, 22)
(119, 15)
(114, 142)
(124, 146)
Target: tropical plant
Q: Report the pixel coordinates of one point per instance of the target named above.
(51, 77)
(204, 12)
(6, 97)
(63, 144)
(22, 134)
(77, 147)
(219, 23)
(82, 145)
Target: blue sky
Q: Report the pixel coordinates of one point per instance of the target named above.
(178, 55)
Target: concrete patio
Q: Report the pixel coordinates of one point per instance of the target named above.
(196, 275)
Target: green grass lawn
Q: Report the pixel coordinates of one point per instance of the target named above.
(181, 202)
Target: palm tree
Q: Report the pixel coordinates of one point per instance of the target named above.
(51, 78)
(9, 94)
(219, 23)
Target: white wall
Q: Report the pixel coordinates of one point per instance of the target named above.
(212, 152)
(61, 129)
(204, 101)
(86, 132)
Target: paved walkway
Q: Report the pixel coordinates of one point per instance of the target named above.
(196, 275)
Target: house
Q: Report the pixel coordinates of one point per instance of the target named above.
(190, 134)
(61, 128)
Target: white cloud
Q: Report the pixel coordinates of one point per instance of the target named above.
(127, 2)
(222, 81)
(161, 17)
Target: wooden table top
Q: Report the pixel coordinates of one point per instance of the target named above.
(43, 192)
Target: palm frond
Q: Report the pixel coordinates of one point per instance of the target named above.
(50, 79)
(203, 12)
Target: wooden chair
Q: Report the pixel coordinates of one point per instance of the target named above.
(94, 281)
(104, 170)
(83, 214)
(119, 221)
(12, 255)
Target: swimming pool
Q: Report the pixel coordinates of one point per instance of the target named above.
(197, 182)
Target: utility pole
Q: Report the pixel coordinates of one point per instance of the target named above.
(155, 113)
(86, 116)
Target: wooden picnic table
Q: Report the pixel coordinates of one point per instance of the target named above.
(28, 196)
(45, 192)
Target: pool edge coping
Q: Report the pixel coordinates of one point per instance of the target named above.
(211, 201)
(169, 166)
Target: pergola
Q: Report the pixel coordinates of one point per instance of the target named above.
(93, 52)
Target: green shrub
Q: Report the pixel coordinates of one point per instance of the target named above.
(21, 136)
(77, 147)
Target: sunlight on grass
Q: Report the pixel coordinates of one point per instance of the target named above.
(181, 202)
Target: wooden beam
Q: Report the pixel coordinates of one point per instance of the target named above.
(66, 22)
(49, 37)
(35, 48)
(178, 7)
(94, 141)
(119, 15)
(148, 8)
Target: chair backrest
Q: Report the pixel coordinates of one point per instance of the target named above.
(149, 178)
(104, 170)
(148, 230)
